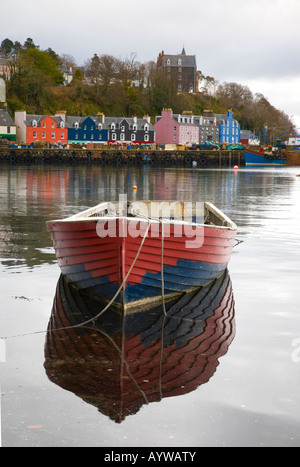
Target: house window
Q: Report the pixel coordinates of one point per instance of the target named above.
(179, 87)
(84, 136)
(122, 137)
(53, 135)
(62, 125)
(34, 134)
(43, 135)
(122, 128)
(114, 137)
(52, 125)
(100, 126)
(76, 125)
(132, 137)
(146, 138)
(168, 61)
(92, 136)
(34, 123)
(179, 61)
(62, 136)
(44, 124)
(76, 135)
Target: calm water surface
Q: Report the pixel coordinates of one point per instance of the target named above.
(251, 398)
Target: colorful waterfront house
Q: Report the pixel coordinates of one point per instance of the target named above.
(187, 128)
(83, 130)
(176, 129)
(7, 126)
(209, 129)
(46, 128)
(230, 129)
(130, 131)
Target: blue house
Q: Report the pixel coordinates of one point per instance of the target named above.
(230, 129)
(83, 130)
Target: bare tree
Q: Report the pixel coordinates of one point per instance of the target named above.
(67, 61)
(234, 95)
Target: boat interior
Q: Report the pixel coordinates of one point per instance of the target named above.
(188, 211)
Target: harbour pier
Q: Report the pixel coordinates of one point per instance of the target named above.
(120, 156)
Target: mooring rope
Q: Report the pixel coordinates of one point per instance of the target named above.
(162, 268)
(94, 318)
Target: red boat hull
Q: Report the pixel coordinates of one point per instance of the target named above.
(99, 265)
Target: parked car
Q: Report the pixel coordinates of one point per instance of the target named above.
(206, 146)
(233, 146)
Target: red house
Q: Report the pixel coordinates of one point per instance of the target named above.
(33, 128)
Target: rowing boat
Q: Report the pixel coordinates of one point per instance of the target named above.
(136, 252)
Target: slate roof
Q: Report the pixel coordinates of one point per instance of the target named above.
(70, 122)
(186, 60)
(39, 118)
(5, 119)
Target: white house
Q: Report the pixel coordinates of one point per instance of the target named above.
(7, 126)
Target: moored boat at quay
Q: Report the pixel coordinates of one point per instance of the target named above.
(264, 158)
(132, 253)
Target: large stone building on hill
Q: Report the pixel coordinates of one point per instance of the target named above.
(182, 68)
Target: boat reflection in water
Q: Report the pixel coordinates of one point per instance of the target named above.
(121, 362)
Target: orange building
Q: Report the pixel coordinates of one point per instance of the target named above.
(33, 128)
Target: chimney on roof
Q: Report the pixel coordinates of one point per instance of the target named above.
(62, 114)
(102, 116)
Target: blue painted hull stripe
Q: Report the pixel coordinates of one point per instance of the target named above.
(150, 285)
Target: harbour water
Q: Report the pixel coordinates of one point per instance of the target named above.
(251, 397)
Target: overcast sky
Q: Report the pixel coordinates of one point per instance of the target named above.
(251, 42)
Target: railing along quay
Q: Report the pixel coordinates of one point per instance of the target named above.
(119, 157)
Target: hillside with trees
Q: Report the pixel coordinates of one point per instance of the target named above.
(122, 88)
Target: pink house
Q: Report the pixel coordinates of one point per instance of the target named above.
(176, 129)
